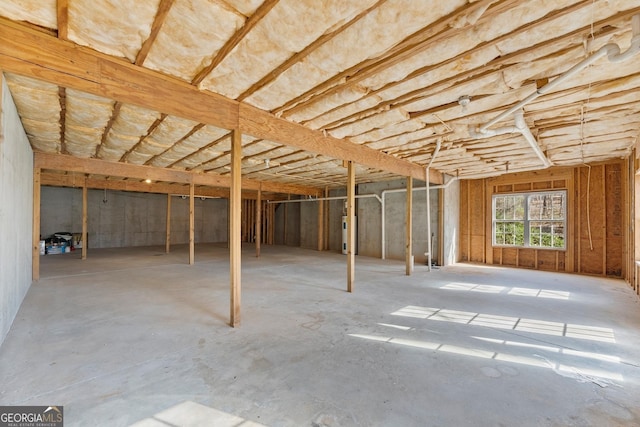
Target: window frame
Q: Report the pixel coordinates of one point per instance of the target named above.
(526, 221)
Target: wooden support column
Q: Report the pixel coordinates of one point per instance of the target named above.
(168, 236)
(320, 225)
(408, 236)
(85, 210)
(326, 220)
(35, 258)
(235, 199)
(192, 224)
(258, 221)
(351, 231)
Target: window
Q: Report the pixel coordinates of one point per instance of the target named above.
(530, 220)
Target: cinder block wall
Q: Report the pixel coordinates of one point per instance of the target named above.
(16, 211)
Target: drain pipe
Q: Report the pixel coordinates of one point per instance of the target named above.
(427, 186)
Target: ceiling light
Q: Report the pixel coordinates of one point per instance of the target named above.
(148, 181)
(464, 100)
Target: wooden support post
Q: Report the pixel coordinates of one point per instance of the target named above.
(235, 199)
(326, 220)
(35, 257)
(351, 231)
(258, 221)
(192, 224)
(408, 236)
(168, 236)
(284, 227)
(320, 225)
(85, 209)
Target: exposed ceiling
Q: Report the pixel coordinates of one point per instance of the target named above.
(384, 74)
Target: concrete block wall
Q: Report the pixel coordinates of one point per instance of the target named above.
(289, 235)
(16, 211)
(131, 219)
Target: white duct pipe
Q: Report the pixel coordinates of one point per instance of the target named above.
(358, 196)
(521, 128)
(611, 50)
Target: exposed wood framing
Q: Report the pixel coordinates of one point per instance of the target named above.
(142, 172)
(62, 96)
(168, 234)
(351, 231)
(85, 213)
(258, 222)
(408, 236)
(321, 224)
(192, 224)
(299, 56)
(34, 54)
(235, 243)
(114, 115)
(161, 15)
(62, 17)
(35, 251)
(249, 24)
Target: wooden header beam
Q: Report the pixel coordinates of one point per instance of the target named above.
(67, 163)
(35, 54)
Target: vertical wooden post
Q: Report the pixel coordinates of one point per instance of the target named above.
(35, 257)
(85, 209)
(235, 225)
(320, 225)
(258, 220)
(351, 232)
(326, 220)
(192, 224)
(408, 236)
(168, 236)
(284, 227)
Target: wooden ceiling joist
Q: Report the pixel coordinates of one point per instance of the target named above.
(34, 54)
(101, 167)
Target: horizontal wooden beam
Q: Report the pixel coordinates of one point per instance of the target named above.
(35, 54)
(60, 162)
(72, 180)
(261, 124)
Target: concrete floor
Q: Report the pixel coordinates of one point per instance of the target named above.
(137, 337)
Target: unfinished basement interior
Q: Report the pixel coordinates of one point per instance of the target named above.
(335, 213)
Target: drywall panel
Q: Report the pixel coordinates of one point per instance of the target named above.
(16, 211)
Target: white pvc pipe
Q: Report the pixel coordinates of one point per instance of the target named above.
(611, 50)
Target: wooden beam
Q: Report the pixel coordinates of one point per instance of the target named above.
(249, 24)
(320, 225)
(168, 235)
(31, 53)
(62, 16)
(264, 125)
(35, 253)
(34, 54)
(85, 238)
(102, 167)
(235, 224)
(258, 222)
(351, 231)
(300, 56)
(158, 22)
(408, 236)
(62, 99)
(192, 224)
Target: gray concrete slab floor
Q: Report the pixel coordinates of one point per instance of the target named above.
(138, 337)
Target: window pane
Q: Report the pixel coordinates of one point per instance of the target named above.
(546, 206)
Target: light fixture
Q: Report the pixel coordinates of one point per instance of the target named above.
(464, 100)
(148, 181)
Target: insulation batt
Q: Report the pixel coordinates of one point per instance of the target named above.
(113, 27)
(39, 12)
(359, 42)
(194, 31)
(306, 20)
